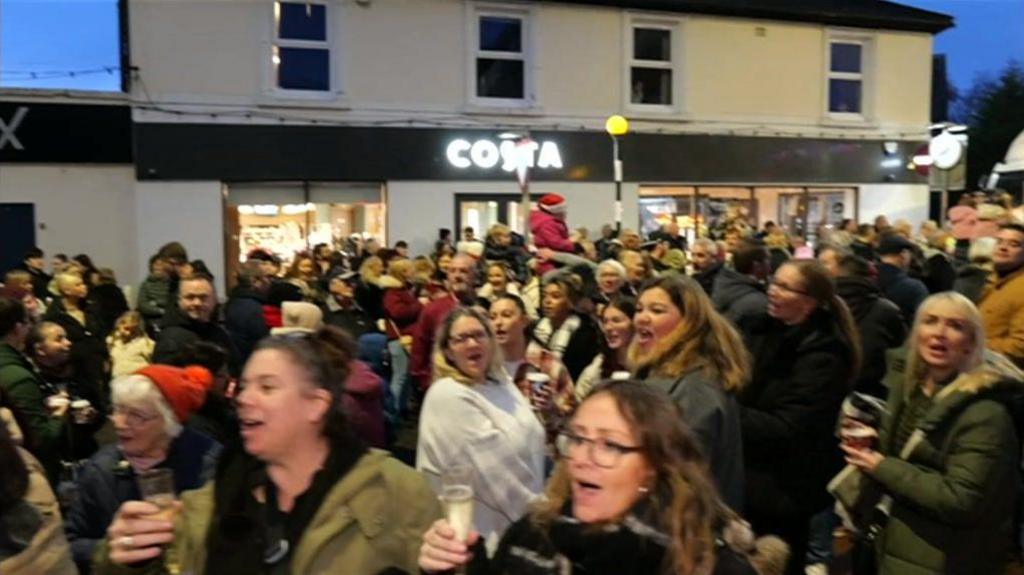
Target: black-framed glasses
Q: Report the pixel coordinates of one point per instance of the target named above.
(602, 453)
(463, 338)
(774, 283)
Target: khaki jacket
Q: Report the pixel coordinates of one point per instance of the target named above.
(372, 520)
(1002, 311)
(48, 553)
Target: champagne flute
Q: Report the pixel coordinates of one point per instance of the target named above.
(457, 500)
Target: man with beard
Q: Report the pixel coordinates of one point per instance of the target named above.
(461, 290)
(191, 321)
(1002, 303)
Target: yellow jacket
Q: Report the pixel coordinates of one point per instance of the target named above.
(1002, 311)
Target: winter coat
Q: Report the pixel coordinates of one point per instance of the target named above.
(1002, 313)
(109, 303)
(401, 308)
(363, 403)
(740, 298)
(955, 483)
(88, 343)
(432, 317)
(40, 281)
(33, 541)
(512, 255)
(23, 388)
(584, 344)
(706, 278)
(127, 357)
(971, 281)
(180, 332)
(880, 326)
(863, 250)
(244, 321)
(371, 298)
(549, 231)
(107, 480)
(801, 375)
(901, 289)
(939, 274)
(372, 520)
(353, 320)
(154, 298)
(714, 417)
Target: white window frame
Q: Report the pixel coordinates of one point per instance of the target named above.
(526, 17)
(330, 44)
(674, 26)
(865, 77)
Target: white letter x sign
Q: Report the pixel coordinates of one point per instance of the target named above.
(7, 130)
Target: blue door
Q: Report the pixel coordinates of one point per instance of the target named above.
(17, 233)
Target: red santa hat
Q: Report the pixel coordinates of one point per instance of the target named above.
(553, 204)
(184, 388)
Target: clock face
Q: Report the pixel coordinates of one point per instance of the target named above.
(945, 150)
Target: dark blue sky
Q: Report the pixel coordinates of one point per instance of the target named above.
(75, 35)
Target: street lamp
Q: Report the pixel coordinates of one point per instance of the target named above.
(523, 158)
(617, 126)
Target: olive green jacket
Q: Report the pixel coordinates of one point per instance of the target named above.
(952, 489)
(372, 520)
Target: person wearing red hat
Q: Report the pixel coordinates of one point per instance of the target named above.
(150, 408)
(301, 494)
(548, 227)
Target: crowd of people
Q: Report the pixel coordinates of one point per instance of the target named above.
(740, 404)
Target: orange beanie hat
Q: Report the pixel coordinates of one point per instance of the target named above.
(184, 388)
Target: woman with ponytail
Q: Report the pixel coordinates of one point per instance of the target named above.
(806, 357)
(682, 345)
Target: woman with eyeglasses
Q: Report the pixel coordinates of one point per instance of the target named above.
(150, 408)
(300, 494)
(684, 346)
(629, 495)
(806, 358)
(474, 416)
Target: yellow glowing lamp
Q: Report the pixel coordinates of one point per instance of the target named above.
(617, 125)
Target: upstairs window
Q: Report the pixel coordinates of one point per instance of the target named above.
(301, 52)
(501, 57)
(846, 77)
(651, 66)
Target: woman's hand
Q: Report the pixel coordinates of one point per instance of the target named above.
(441, 551)
(134, 536)
(540, 398)
(867, 460)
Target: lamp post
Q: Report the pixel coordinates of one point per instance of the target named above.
(617, 126)
(524, 147)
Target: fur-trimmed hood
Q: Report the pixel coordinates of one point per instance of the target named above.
(389, 282)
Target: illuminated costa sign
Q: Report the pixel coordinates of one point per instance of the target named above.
(486, 154)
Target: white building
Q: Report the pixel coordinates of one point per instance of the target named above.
(261, 122)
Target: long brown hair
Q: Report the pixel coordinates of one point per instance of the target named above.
(691, 510)
(703, 339)
(818, 285)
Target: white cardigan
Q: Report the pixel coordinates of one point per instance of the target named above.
(491, 428)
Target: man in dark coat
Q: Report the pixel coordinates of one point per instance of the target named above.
(739, 292)
(895, 253)
(707, 263)
(35, 264)
(243, 313)
(193, 320)
(343, 310)
(879, 321)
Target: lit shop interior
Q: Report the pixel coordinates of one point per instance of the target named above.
(700, 210)
(289, 218)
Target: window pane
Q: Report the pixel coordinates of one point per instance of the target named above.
(303, 69)
(652, 44)
(301, 21)
(844, 96)
(499, 78)
(652, 86)
(501, 34)
(845, 57)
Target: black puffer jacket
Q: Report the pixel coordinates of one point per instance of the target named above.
(788, 413)
(180, 332)
(88, 348)
(706, 278)
(740, 298)
(881, 328)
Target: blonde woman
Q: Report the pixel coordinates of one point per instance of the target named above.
(130, 348)
(682, 345)
(474, 415)
(947, 460)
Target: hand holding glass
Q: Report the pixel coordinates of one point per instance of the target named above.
(457, 499)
